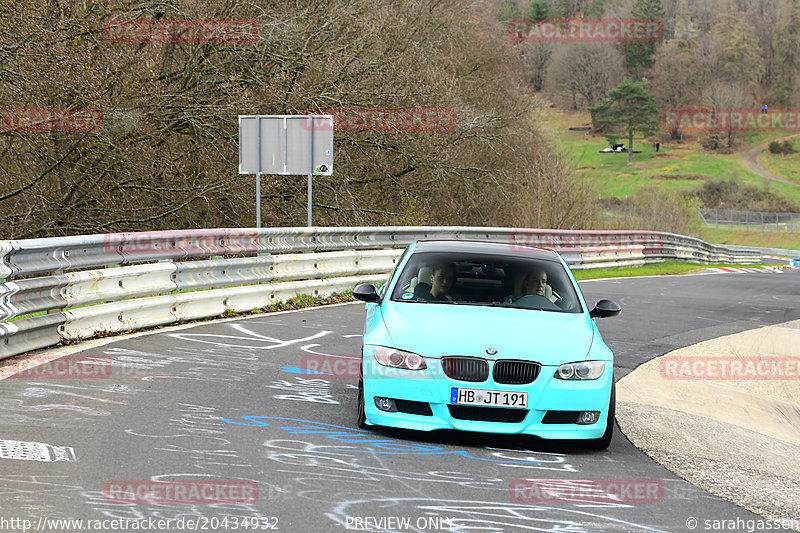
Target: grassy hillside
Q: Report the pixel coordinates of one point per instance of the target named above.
(785, 166)
(677, 166)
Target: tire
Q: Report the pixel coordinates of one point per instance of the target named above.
(361, 418)
(603, 442)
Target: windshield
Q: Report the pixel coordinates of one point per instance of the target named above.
(483, 279)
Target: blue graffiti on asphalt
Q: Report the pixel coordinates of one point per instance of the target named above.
(349, 435)
(295, 370)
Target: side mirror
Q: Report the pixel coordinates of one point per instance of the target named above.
(605, 309)
(366, 292)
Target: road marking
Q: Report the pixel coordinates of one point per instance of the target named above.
(35, 451)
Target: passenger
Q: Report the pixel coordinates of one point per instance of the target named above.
(535, 282)
(443, 277)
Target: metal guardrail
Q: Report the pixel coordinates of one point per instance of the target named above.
(750, 220)
(238, 270)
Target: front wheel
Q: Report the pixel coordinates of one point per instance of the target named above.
(361, 418)
(603, 442)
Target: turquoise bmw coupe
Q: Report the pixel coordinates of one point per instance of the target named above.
(487, 337)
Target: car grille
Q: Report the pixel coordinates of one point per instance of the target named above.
(487, 414)
(516, 372)
(465, 368)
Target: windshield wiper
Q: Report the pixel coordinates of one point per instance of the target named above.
(494, 303)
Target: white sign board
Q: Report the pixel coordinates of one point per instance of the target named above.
(286, 144)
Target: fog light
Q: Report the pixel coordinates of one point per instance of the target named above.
(385, 404)
(586, 418)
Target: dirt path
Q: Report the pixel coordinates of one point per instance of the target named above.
(750, 161)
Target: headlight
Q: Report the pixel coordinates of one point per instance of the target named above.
(582, 370)
(398, 358)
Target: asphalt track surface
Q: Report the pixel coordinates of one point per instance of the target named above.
(174, 408)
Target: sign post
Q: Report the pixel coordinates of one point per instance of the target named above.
(285, 145)
(311, 161)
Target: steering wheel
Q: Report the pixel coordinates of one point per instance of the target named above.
(536, 301)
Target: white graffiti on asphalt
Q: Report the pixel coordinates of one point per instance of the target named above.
(367, 442)
(472, 515)
(304, 390)
(249, 339)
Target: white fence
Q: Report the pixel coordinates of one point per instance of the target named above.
(77, 287)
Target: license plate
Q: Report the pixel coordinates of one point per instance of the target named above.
(490, 398)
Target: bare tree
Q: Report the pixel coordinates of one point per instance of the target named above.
(724, 95)
(787, 56)
(675, 82)
(175, 165)
(537, 57)
(582, 73)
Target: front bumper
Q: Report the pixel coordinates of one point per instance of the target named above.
(433, 387)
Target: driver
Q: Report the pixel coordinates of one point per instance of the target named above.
(442, 279)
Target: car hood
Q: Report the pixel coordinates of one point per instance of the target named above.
(447, 329)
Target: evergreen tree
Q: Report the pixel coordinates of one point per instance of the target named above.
(740, 55)
(538, 10)
(507, 11)
(639, 54)
(627, 109)
(596, 9)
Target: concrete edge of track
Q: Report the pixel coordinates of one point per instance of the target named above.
(724, 415)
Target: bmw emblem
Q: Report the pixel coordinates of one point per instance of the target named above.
(491, 351)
